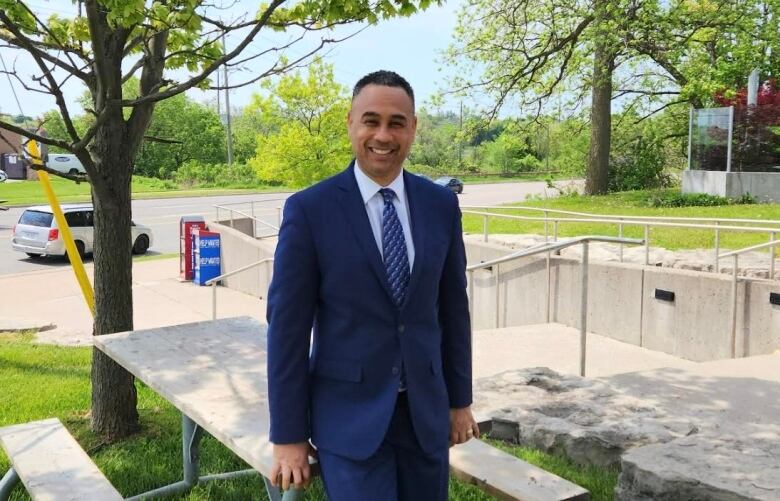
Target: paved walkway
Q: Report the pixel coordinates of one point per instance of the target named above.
(52, 298)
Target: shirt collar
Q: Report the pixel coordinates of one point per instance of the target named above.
(368, 187)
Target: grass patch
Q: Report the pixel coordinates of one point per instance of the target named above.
(31, 192)
(42, 381)
(635, 203)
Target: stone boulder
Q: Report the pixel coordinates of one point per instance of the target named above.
(585, 419)
(703, 467)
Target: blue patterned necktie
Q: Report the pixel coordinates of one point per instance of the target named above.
(394, 249)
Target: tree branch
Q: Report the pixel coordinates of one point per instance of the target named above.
(33, 135)
(192, 82)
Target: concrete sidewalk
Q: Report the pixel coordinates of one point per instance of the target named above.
(52, 300)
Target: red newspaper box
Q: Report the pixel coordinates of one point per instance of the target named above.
(186, 225)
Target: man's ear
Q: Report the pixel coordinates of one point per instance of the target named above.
(414, 124)
(349, 118)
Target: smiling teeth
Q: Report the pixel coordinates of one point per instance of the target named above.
(380, 152)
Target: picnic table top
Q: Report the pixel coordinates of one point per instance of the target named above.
(212, 371)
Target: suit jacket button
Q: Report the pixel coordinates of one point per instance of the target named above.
(395, 371)
(401, 329)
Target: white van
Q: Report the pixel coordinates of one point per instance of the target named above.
(36, 233)
(67, 163)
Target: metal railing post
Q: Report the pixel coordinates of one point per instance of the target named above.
(717, 247)
(214, 300)
(549, 289)
(555, 230)
(734, 279)
(584, 307)
(620, 235)
(773, 237)
(471, 300)
(647, 244)
(484, 228)
(231, 219)
(546, 226)
(498, 309)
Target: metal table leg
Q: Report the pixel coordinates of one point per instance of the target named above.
(276, 494)
(190, 439)
(7, 484)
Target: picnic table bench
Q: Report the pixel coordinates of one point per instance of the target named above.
(214, 373)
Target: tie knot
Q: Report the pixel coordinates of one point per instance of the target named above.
(387, 194)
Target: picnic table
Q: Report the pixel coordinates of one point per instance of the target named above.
(214, 373)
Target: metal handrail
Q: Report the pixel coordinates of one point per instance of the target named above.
(252, 217)
(624, 216)
(548, 249)
(735, 280)
(213, 282)
(633, 220)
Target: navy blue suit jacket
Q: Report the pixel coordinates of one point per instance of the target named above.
(329, 275)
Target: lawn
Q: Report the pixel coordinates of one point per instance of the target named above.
(41, 381)
(635, 204)
(31, 192)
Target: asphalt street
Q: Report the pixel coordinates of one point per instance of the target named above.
(163, 216)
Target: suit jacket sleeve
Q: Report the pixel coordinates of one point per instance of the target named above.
(454, 318)
(292, 300)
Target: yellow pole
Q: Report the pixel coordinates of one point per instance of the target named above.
(62, 224)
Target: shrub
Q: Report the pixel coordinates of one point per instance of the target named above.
(194, 173)
(676, 199)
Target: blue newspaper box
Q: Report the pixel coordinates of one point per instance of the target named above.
(206, 254)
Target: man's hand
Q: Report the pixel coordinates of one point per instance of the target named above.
(291, 465)
(463, 427)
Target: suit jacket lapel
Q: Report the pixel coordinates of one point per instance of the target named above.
(417, 221)
(355, 212)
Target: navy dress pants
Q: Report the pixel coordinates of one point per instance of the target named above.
(398, 471)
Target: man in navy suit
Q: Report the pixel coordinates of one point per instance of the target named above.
(373, 260)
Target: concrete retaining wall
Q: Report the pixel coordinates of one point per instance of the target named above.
(763, 185)
(622, 304)
(238, 250)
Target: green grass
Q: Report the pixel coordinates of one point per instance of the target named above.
(42, 381)
(634, 204)
(31, 192)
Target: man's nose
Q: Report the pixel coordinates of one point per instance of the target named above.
(383, 134)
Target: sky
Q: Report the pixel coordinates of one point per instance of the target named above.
(410, 46)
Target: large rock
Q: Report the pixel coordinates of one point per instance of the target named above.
(702, 468)
(585, 419)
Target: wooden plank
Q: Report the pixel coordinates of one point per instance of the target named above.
(52, 465)
(508, 477)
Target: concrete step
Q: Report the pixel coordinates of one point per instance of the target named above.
(557, 346)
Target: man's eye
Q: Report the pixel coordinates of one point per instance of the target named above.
(396, 125)
(370, 122)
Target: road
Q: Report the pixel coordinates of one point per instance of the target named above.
(163, 215)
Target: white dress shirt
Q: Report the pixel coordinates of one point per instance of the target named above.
(375, 204)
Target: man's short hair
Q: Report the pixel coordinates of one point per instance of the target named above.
(386, 78)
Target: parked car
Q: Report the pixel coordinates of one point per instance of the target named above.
(3, 176)
(36, 233)
(425, 177)
(67, 163)
(453, 183)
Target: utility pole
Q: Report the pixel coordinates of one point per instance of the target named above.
(460, 139)
(227, 108)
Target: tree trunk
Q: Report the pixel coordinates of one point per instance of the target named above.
(114, 398)
(597, 179)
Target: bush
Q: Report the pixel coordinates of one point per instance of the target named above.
(676, 199)
(194, 173)
(639, 167)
